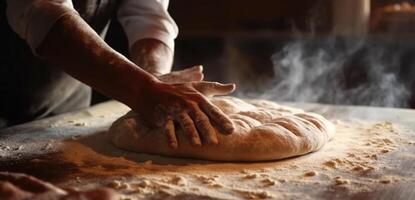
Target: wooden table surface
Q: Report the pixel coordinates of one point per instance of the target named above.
(21, 147)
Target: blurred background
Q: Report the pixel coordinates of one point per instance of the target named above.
(353, 52)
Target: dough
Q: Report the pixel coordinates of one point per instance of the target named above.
(264, 131)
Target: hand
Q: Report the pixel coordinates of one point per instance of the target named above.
(187, 75)
(16, 186)
(185, 104)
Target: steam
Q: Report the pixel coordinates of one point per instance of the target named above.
(312, 70)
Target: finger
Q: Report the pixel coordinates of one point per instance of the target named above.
(214, 88)
(223, 122)
(189, 129)
(196, 77)
(192, 74)
(171, 135)
(29, 183)
(197, 69)
(92, 194)
(10, 191)
(186, 75)
(203, 125)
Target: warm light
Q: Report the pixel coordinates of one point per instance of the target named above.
(351, 17)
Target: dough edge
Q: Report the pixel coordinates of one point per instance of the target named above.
(267, 142)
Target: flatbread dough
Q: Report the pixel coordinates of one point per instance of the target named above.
(264, 131)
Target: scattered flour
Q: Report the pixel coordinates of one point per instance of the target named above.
(357, 160)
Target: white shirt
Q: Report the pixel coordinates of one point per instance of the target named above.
(32, 19)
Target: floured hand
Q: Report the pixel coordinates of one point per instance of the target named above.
(16, 186)
(187, 75)
(185, 104)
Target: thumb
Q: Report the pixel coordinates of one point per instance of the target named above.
(214, 88)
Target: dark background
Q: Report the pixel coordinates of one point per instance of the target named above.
(235, 40)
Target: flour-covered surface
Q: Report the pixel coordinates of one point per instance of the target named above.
(372, 156)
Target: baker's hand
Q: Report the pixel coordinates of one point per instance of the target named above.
(187, 75)
(187, 105)
(16, 186)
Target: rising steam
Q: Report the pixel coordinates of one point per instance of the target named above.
(337, 71)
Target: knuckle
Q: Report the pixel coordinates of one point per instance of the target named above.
(188, 125)
(189, 84)
(201, 121)
(192, 104)
(181, 117)
(214, 112)
(196, 98)
(169, 126)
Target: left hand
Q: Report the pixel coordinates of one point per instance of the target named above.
(187, 75)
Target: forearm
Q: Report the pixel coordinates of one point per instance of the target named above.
(72, 45)
(152, 55)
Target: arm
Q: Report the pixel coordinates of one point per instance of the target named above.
(151, 32)
(152, 55)
(88, 58)
(74, 47)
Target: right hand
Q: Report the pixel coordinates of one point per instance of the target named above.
(16, 186)
(187, 105)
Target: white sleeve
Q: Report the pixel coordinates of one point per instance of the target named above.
(147, 19)
(32, 19)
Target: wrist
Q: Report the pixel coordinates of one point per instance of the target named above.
(152, 55)
(141, 87)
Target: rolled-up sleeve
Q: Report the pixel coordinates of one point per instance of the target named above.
(32, 19)
(143, 19)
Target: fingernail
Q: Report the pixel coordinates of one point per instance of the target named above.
(231, 84)
(229, 128)
(196, 141)
(228, 86)
(214, 140)
(197, 67)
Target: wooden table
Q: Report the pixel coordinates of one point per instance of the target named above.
(36, 148)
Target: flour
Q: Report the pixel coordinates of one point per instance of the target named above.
(355, 162)
(364, 157)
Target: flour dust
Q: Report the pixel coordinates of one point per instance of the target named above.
(337, 70)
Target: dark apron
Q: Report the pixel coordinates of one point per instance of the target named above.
(29, 88)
